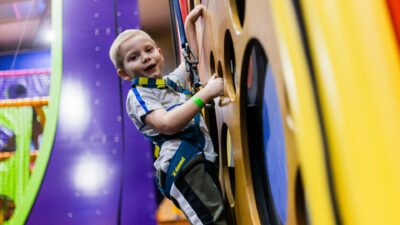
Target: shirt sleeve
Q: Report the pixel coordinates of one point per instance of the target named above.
(179, 75)
(141, 101)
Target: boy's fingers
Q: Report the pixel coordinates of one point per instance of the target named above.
(202, 8)
(199, 9)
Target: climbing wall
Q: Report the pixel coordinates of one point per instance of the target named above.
(257, 155)
(305, 127)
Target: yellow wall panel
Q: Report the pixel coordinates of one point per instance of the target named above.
(357, 68)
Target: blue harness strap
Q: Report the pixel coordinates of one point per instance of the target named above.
(178, 14)
(192, 138)
(156, 83)
(160, 84)
(192, 144)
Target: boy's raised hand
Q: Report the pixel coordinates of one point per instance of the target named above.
(215, 86)
(190, 30)
(195, 13)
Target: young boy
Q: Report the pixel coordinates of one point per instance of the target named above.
(162, 110)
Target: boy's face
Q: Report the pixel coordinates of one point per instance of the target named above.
(141, 58)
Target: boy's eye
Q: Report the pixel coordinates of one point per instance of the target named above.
(133, 57)
(149, 50)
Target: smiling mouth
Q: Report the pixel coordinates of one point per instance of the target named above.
(150, 67)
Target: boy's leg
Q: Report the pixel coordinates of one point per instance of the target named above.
(198, 194)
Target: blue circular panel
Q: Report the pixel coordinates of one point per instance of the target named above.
(274, 146)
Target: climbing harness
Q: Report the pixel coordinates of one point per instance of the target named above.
(160, 84)
(192, 145)
(190, 65)
(192, 138)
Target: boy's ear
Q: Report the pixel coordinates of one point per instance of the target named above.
(162, 56)
(121, 73)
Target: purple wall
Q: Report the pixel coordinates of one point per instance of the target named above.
(134, 205)
(100, 169)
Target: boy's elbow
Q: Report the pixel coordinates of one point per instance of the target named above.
(160, 121)
(169, 132)
(169, 129)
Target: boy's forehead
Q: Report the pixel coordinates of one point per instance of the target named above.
(136, 41)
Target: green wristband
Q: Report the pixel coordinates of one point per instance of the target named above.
(198, 101)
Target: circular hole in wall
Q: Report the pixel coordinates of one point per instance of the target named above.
(301, 206)
(212, 63)
(265, 133)
(230, 62)
(228, 166)
(219, 70)
(238, 10)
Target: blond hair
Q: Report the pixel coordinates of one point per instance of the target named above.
(115, 54)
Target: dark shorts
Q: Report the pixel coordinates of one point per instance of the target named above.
(197, 192)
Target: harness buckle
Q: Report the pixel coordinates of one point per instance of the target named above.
(191, 67)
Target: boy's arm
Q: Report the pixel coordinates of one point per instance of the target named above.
(190, 30)
(190, 27)
(171, 122)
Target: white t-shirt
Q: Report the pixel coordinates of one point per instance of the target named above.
(144, 100)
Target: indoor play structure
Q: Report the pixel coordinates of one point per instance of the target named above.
(307, 129)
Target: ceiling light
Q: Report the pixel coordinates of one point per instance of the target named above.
(50, 36)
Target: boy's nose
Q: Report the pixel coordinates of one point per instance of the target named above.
(146, 58)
